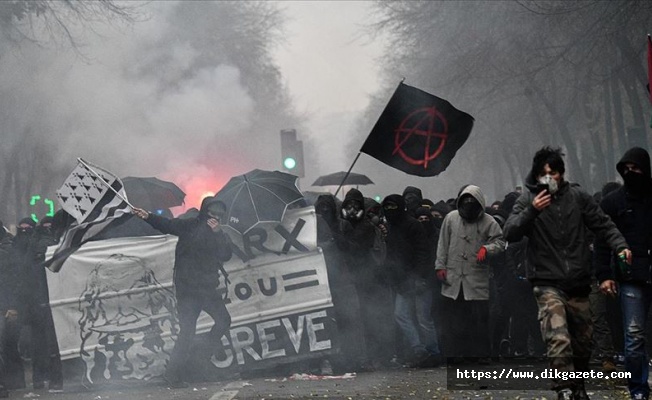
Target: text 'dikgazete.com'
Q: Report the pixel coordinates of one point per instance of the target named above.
(524, 375)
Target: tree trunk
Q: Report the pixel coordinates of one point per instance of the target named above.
(618, 115)
(608, 130)
(637, 111)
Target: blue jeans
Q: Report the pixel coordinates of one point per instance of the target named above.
(635, 302)
(413, 314)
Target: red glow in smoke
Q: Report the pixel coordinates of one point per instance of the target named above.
(201, 183)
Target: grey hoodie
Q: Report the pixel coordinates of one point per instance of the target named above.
(459, 242)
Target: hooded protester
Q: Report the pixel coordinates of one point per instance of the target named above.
(410, 266)
(374, 213)
(439, 211)
(359, 235)
(468, 236)
(22, 242)
(22, 255)
(46, 361)
(12, 374)
(413, 197)
(422, 214)
(341, 282)
(358, 246)
(556, 217)
(630, 207)
(199, 256)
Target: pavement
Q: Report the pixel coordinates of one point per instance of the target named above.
(402, 383)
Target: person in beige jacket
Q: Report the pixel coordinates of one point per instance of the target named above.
(468, 236)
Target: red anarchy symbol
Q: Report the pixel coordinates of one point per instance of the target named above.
(422, 122)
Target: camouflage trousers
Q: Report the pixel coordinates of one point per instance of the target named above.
(566, 327)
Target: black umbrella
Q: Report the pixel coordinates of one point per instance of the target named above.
(152, 193)
(335, 179)
(257, 197)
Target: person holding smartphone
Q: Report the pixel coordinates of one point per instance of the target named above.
(556, 219)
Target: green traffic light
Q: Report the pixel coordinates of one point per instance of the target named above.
(289, 163)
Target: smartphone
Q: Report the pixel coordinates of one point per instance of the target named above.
(542, 186)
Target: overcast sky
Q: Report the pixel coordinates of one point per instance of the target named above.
(330, 67)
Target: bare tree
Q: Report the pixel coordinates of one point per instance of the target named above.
(555, 73)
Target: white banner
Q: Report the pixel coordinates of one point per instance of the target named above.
(113, 302)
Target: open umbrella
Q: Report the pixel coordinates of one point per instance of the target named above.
(152, 193)
(335, 179)
(257, 197)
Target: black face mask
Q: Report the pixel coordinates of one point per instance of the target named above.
(636, 183)
(23, 232)
(437, 221)
(470, 211)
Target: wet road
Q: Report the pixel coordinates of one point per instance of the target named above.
(393, 384)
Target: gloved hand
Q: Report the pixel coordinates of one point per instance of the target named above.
(441, 275)
(482, 254)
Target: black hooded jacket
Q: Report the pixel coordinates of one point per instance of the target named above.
(327, 219)
(10, 277)
(558, 249)
(631, 211)
(358, 239)
(407, 244)
(358, 234)
(329, 238)
(412, 197)
(200, 252)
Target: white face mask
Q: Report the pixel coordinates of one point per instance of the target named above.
(551, 182)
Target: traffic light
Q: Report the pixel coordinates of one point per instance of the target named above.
(292, 153)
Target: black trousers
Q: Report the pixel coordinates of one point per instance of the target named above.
(12, 373)
(469, 327)
(46, 361)
(189, 306)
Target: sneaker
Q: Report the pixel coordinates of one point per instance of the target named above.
(174, 383)
(432, 361)
(565, 394)
(416, 360)
(520, 355)
(55, 387)
(580, 394)
(608, 366)
(484, 361)
(639, 396)
(326, 368)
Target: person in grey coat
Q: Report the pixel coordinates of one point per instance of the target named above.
(468, 236)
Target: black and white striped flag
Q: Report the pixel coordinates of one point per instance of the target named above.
(95, 198)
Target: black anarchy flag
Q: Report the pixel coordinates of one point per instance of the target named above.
(418, 133)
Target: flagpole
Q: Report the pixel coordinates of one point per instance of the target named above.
(82, 162)
(347, 173)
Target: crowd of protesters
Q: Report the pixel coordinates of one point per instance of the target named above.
(531, 275)
(26, 327)
(545, 272)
